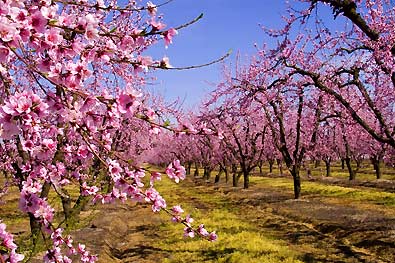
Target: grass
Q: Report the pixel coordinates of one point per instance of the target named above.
(239, 239)
(362, 195)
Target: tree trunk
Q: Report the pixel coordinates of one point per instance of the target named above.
(226, 175)
(308, 172)
(342, 163)
(377, 167)
(271, 162)
(280, 166)
(234, 179)
(351, 172)
(246, 177)
(67, 210)
(218, 176)
(328, 168)
(35, 229)
(207, 173)
(188, 170)
(196, 173)
(296, 179)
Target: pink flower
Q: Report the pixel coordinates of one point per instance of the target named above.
(155, 176)
(7, 30)
(83, 151)
(4, 52)
(38, 22)
(176, 171)
(188, 220)
(156, 25)
(177, 209)
(164, 63)
(151, 8)
(188, 232)
(202, 231)
(168, 36)
(212, 236)
(53, 36)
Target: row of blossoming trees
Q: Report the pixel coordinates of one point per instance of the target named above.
(320, 94)
(72, 114)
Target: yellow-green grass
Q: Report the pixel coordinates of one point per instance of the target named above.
(239, 240)
(361, 195)
(365, 172)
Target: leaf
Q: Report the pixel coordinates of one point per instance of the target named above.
(166, 123)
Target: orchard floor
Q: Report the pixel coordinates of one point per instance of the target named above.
(334, 221)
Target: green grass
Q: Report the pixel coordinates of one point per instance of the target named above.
(362, 195)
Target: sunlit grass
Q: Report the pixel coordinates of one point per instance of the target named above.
(313, 188)
(239, 239)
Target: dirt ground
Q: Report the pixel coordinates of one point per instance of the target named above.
(321, 229)
(324, 231)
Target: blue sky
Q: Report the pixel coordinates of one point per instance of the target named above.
(227, 24)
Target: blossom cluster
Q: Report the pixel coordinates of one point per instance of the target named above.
(7, 244)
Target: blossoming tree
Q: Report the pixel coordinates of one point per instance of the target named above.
(70, 73)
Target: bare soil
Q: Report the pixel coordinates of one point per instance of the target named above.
(321, 229)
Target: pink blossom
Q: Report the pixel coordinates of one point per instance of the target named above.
(38, 22)
(202, 231)
(168, 36)
(4, 52)
(7, 30)
(151, 8)
(53, 36)
(175, 171)
(155, 176)
(156, 25)
(188, 220)
(165, 63)
(213, 236)
(188, 232)
(155, 130)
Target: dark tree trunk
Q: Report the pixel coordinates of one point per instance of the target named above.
(260, 168)
(234, 180)
(271, 163)
(207, 173)
(328, 168)
(296, 179)
(226, 175)
(246, 177)
(196, 173)
(342, 163)
(45, 190)
(188, 170)
(377, 167)
(351, 172)
(218, 176)
(308, 172)
(280, 166)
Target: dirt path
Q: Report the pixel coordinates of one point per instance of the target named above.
(321, 229)
(124, 233)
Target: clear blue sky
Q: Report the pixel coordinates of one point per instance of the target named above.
(227, 24)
